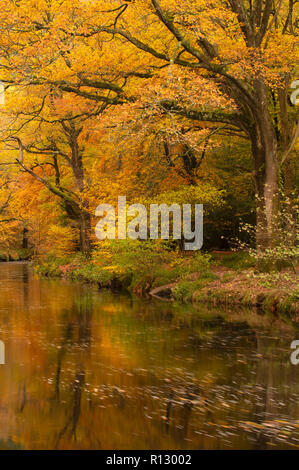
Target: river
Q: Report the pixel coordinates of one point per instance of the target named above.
(86, 369)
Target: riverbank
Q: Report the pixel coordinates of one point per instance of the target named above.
(275, 293)
(15, 256)
(227, 279)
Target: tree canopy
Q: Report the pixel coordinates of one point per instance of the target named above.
(144, 98)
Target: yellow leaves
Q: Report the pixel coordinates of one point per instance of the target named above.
(56, 50)
(8, 236)
(61, 240)
(203, 193)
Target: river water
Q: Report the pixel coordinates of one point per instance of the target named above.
(95, 370)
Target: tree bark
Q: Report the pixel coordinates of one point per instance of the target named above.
(265, 154)
(85, 229)
(288, 166)
(25, 238)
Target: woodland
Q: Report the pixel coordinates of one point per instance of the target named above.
(159, 101)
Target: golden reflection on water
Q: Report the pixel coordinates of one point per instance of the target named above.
(95, 370)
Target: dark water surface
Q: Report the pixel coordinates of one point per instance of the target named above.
(95, 370)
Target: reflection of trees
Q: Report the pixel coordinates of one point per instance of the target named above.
(168, 409)
(66, 341)
(23, 399)
(25, 275)
(215, 337)
(73, 419)
(264, 380)
(138, 385)
(262, 347)
(79, 323)
(181, 417)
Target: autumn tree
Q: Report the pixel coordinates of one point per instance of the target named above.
(53, 153)
(53, 90)
(246, 51)
(214, 68)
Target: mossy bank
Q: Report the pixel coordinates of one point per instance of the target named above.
(157, 270)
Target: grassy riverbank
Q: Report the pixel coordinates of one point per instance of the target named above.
(155, 269)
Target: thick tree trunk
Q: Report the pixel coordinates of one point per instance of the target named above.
(288, 168)
(267, 197)
(265, 152)
(81, 221)
(85, 228)
(84, 221)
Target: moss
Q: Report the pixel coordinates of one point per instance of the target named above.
(284, 306)
(237, 261)
(227, 277)
(140, 268)
(246, 299)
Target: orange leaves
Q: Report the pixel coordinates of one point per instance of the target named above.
(98, 93)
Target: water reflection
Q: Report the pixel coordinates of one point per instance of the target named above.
(91, 370)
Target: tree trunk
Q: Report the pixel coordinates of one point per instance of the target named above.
(288, 168)
(25, 238)
(85, 228)
(267, 198)
(265, 152)
(81, 221)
